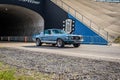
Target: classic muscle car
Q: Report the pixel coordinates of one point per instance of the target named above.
(57, 37)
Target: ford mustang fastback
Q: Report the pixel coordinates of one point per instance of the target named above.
(57, 37)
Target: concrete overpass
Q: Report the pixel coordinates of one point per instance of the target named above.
(16, 20)
(27, 17)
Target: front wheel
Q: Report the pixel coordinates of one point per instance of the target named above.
(76, 45)
(60, 43)
(38, 42)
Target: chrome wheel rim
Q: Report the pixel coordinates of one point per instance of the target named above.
(37, 42)
(59, 43)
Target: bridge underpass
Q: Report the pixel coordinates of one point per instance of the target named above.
(19, 21)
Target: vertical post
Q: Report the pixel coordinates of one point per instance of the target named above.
(82, 18)
(68, 9)
(1, 38)
(25, 39)
(91, 37)
(56, 2)
(8, 38)
(99, 30)
(90, 23)
(107, 36)
(62, 4)
(75, 13)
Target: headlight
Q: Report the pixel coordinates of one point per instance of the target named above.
(67, 37)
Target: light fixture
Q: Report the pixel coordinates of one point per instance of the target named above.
(6, 9)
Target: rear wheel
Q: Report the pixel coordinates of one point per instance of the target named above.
(38, 42)
(60, 43)
(76, 45)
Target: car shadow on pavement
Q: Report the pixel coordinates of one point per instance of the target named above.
(49, 47)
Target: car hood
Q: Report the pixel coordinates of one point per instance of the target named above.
(68, 35)
(73, 35)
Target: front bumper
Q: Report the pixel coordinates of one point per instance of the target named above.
(72, 42)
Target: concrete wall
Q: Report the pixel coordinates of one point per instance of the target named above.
(54, 15)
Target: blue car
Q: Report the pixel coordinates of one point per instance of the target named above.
(57, 37)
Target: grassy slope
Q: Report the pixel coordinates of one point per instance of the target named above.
(117, 40)
(11, 73)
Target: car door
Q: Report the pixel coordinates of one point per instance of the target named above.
(47, 36)
(55, 35)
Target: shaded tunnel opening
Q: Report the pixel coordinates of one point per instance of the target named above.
(19, 21)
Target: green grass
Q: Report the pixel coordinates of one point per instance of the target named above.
(117, 40)
(7, 75)
(11, 73)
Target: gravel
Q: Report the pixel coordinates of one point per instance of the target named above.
(73, 68)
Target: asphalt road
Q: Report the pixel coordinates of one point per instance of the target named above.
(103, 52)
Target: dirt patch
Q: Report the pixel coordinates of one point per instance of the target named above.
(70, 68)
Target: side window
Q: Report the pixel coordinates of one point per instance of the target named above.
(55, 31)
(47, 32)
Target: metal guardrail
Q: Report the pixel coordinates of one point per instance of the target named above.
(16, 38)
(112, 1)
(91, 24)
(94, 40)
(87, 39)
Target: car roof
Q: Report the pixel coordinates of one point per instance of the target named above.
(53, 29)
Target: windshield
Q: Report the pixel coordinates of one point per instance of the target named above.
(58, 31)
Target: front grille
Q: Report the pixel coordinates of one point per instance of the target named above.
(76, 38)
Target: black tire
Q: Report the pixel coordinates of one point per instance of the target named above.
(76, 45)
(60, 43)
(38, 42)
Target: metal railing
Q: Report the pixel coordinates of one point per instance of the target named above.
(87, 39)
(16, 38)
(94, 40)
(90, 24)
(113, 1)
